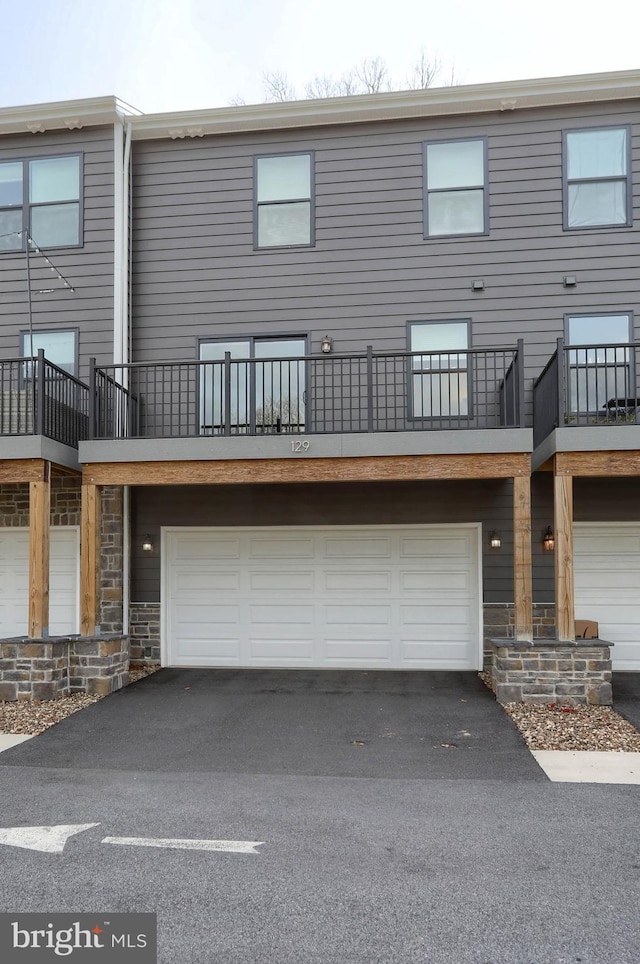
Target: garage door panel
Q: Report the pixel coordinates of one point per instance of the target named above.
(346, 581)
(318, 597)
(607, 586)
(270, 651)
(201, 546)
(287, 581)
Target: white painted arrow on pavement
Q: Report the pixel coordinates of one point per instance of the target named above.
(50, 840)
(226, 846)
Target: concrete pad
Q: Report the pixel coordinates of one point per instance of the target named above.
(589, 766)
(7, 740)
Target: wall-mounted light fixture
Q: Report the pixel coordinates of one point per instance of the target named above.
(477, 284)
(549, 541)
(147, 544)
(327, 345)
(569, 281)
(494, 540)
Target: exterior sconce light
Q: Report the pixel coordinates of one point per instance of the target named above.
(327, 345)
(147, 544)
(477, 284)
(549, 541)
(494, 540)
(569, 281)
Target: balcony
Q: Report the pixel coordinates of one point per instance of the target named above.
(39, 399)
(588, 387)
(399, 392)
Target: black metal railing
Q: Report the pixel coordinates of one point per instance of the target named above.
(587, 385)
(38, 398)
(372, 392)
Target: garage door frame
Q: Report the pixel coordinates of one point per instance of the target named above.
(69, 528)
(476, 560)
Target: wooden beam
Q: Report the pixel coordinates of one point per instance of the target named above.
(89, 558)
(39, 525)
(22, 470)
(563, 522)
(522, 558)
(605, 464)
(366, 469)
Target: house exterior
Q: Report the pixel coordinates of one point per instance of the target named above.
(308, 385)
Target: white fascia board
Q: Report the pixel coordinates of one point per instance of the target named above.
(397, 105)
(69, 115)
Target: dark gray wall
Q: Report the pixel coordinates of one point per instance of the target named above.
(371, 503)
(89, 269)
(196, 273)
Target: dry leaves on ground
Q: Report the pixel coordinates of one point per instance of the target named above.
(28, 718)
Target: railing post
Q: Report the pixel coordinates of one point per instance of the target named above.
(561, 383)
(520, 416)
(40, 393)
(369, 388)
(227, 393)
(93, 406)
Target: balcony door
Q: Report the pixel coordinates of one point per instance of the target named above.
(601, 378)
(261, 392)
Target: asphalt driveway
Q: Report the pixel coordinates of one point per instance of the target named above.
(626, 696)
(436, 725)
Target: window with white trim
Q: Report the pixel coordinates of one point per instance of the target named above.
(41, 195)
(440, 369)
(596, 186)
(455, 185)
(284, 193)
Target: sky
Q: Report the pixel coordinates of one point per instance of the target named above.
(164, 55)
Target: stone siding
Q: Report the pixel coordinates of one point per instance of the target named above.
(550, 672)
(111, 560)
(48, 669)
(65, 503)
(144, 627)
(499, 621)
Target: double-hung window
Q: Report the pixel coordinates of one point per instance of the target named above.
(43, 196)
(439, 369)
(455, 179)
(596, 190)
(261, 389)
(600, 377)
(284, 201)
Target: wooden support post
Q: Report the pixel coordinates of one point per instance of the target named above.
(522, 558)
(89, 559)
(563, 523)
(39, 524)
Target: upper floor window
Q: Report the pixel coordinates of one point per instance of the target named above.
(60, 347)
(600, 377)
(284, 193)
(596, 189)
(41, 195)
(455, 188)
(440, 369)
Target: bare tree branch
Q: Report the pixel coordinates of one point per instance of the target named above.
(425, 71)
(373, 75)
(277, 87)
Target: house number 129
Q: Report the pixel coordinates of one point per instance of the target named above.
(298, 445)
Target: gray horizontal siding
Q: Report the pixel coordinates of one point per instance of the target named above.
(197, 275)
(89, 269)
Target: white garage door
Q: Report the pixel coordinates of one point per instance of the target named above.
(63, 581)
(351, 597)
(607, 585)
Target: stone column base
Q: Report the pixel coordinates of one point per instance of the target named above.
(48, 669)
(548, 671)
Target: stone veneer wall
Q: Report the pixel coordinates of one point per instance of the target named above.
(65, 503)
(499, 620)
(144, 627)
(548, 671)
(48, 669)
